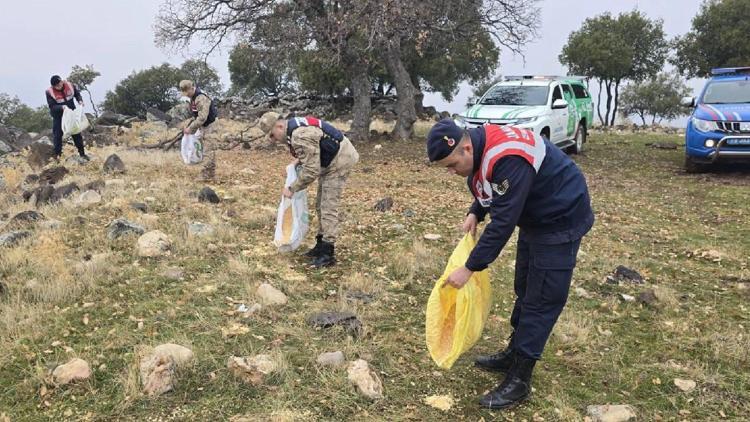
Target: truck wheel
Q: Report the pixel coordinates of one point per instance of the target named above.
(692, 167)
(580, 139)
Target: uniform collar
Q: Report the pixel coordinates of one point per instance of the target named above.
(477, 142)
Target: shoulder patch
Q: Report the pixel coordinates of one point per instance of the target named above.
(501, 188)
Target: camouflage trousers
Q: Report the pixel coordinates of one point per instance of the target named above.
(330, 187)
(208, 172)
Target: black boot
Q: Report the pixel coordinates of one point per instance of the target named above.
(499, 362)
(515, 388)
(326, 257)
(315, 251)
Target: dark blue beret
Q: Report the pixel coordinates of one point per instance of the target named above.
(443, 139)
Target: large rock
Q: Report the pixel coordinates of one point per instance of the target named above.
(10, 239)
(384, 204)
(252, 370)
(365, 379)
(63, 192)
(121, 227)
(153, 244)
(611, 413)
(348, 320)
(158, 374)
(53, 175)
(208, 195)
(88, 198)
(156, 115)
(334, 359)
(113, 164)
(40, 195)
(97, 185)
(39, 155)
(179, 112)
(270, 295)
(75, 370)
(5, 148)
(181, 355)
(25, 218)
(109, 118)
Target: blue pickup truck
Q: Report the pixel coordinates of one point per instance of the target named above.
(719, 128)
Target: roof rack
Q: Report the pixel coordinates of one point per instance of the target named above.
(540, 77)
(730, 70)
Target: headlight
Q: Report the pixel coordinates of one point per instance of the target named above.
(460, 122)
(526, 120)
(704, 125)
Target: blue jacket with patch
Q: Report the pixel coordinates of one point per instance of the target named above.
(551, 206)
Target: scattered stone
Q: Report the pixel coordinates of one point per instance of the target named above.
(356, 295)
(648, 297)
(234, 329)
(348, 320)
(173, 273)
(156, 115)
(365, 379)
(158, 374)
(31, 179)
(432, 236)
(611, 413)
(384, 204)
(97, 185)
(270, 295)
(63, 192)
(75, 370)
(51, 224)
(52, 175)
(23, 218)
(198, 229)
(122, 227)
(109, 118)
(114, 183)
(13, 238)
(39, 155)
(625, 274)
(88, 198)
(398, 227)
(334, 359)
(663, 145)
(443, 402)
(685, 385)
(180, 354)
(252, 370)
(76, 159)
(627, 298)
(208, 195)
(154, 244)
(139, 206)
(581, 292)
(410, 214)
(113, 164)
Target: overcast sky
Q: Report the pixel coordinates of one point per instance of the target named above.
(45, 37)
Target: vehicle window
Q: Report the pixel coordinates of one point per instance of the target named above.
(580, 91)
(557, 94)
(568, 91)
(727, 92)
(516, 95)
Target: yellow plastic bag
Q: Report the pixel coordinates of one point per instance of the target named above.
(455, 318)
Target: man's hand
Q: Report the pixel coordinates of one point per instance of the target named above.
(470, 224)
(287, 193)
(458, 278)
(187, 131)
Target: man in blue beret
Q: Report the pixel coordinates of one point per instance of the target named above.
(518, 179)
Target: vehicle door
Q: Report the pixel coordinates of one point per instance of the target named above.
(573, 111)
(559, 121)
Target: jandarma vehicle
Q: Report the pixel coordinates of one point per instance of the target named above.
(558, 107)
(719, 128)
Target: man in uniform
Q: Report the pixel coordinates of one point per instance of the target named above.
(323, 153)
(204, 113)
(518, 179)
(60, 96)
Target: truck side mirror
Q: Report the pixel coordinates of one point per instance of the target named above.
(687, 102)
(559, 104)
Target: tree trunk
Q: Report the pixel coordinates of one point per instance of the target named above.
(418, 102)
(361, 90)
(599, 104)
(609, 102)
(617, 99)
(93, 106)
(642, 115)
(407, 114)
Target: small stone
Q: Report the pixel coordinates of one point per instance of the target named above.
(685, 385)
(440, 402)
(113, 164)
(122, 227)
(75, 370)
(25, 218)
(63, 192)
(384, 204)
(115, 183)
(625, 274)
(348, 320)
(334, 359)
(198, 229)
(139, 206)
(234, 329)
(365, 379)
(88, 199)
(13, 238)
(53, 175)
(581, 292)
(97, 185)
(611, 413)
(648, 297)
(208, 195)
(173, 273)
(157, 374)
(76, 159)
(154, 244)
(410, 213)
(252, 370)
(180, 354)
(432, 236)
(270, 295)
(627, 298)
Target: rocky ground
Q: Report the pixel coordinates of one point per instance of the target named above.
(137, 294)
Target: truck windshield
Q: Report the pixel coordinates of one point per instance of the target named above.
(516, 96)
(727, 92)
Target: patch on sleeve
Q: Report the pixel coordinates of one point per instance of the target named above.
(501, 188)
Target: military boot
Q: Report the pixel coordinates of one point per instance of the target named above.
(499, 362)
(515, 388)
(315, 251)
(326, 257)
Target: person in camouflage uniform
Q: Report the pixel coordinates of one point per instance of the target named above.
(204, 113)
(325, 154)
